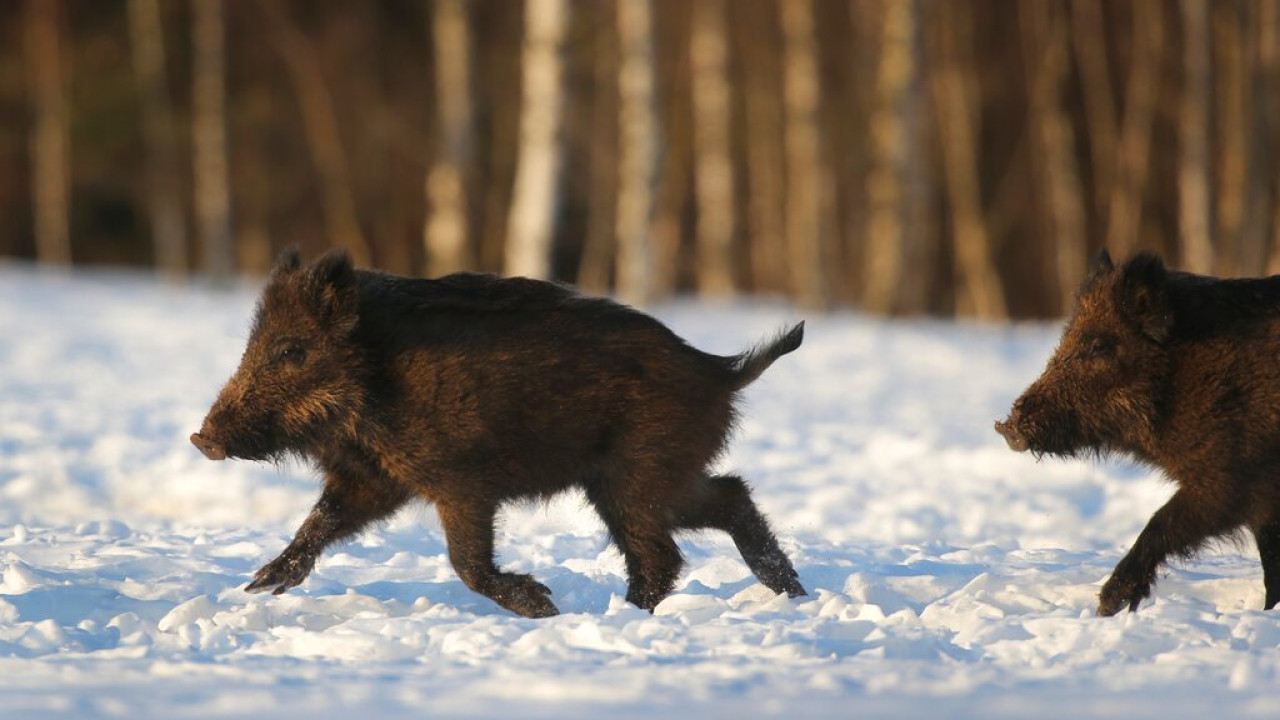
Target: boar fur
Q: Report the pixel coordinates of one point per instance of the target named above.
(1180, 372)
(471, 391)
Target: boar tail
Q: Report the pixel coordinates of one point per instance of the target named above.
(745, 368)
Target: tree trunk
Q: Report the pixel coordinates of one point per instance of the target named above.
(979, 289)
(1229, 91)
(764, 162)
(50, 182)
(320, 126)
(709, 52)
(164, 205)
(1125, 217)
(806, 174)
(1194, 214)
(892, 161)
(445, 234)
(637, 150)
(531, 221)
(1089, 35)
(1046, 42)
(209, 134)
(594, 269)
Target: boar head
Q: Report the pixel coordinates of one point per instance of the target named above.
(1102, 389)
(299, 379)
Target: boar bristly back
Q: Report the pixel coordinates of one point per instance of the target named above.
(298, 383)
(1100, 391)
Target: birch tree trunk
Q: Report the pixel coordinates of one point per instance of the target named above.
(709, 51)
(891, 158)
(164, 205)
(637, 150)
(1194, 213)
(1125, 216)
(532, 218)
(978, 283)
(445, 234)
(50, 182)
(209, 134)
(1046, 39)
(320, 126)
(806, 173)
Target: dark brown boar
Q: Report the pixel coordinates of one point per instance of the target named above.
(1180, 372)
(470, 391)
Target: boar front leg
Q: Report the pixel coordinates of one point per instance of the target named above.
(346, 506)
(468, 530)
(1268, 537)
(1179, 528)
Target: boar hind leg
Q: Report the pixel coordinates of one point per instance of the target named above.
(345, 507)
(469, 533)
(1268, 537)
(724, 503)
(639, 528)
(1180, 528)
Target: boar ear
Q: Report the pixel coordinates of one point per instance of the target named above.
(1099, 267)
(330, 288)
(1143, 296)
(288, 261)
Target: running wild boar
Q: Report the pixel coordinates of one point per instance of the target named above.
(471, 391)
(1180, 372)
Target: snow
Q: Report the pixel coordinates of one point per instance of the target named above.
(948, 576)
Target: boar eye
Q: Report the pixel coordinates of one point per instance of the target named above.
(1100, 346)
(290, 354)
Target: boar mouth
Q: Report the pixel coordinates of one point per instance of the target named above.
(211, 449)
(1016, 440)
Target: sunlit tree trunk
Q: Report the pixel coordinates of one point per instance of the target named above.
(637, 150)
(806, 172)
(445, 235)
(320, 126)
(953, 79)
(1193, 140)
(709, 52)
(50, 182)
(531, 221)
(164, 205)
(1124, 219)
(209, 134)
(1046, 46)
(896, 106)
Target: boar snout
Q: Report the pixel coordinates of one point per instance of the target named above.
(1017, 441)
(211, 449)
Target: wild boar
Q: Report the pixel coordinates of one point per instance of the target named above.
(1180, 372)
(470, 391)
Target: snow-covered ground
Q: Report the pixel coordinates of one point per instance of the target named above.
(949, 576)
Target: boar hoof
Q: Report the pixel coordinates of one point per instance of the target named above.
(284, 572)
(530, 598)
(1117, 595)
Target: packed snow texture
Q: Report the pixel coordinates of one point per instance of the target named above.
(949, 577)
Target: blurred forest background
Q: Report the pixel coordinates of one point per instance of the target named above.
(951, 157)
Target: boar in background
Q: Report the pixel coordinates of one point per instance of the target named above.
(1180, 372)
